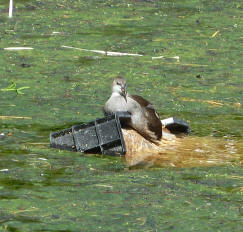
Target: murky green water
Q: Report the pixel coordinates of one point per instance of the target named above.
(43, 189)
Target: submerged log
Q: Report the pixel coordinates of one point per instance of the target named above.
(173, 151)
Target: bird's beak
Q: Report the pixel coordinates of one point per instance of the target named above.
(124, 92)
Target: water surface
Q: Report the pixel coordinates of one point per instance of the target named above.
(44, 189)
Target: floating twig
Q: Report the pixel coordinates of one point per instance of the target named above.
(104, 185)
(18, 48)
(157, 57)
(14, 117)
(107, 53)
(10, 12)
(163, 57)
(214, 34)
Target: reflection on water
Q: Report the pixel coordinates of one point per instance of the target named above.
(188, 151)
(197, 151)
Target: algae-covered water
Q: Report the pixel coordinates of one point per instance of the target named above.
(199, 78)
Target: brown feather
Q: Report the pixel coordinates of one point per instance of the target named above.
(154, 123)
(143, 102)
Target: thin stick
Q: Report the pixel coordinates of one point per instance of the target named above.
(10, 13)
(14, 117)
(104, 52)
(119, 53)
(18, 48)
(162, 57)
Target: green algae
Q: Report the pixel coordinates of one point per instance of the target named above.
(43, 189)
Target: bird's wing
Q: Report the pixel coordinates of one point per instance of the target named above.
(151, 114)
(141, 101)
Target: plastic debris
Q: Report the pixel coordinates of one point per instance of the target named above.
(102, 135)
(176, 126)
(63, 140)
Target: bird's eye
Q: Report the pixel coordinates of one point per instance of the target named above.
(118, 83)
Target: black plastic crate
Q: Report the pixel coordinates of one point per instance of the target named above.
(63, 140)
(124, 117)
(85, 136)
(114, 148)
(103, 135)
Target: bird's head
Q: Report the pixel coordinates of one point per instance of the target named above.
(119, 86)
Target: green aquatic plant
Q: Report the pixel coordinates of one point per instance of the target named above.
(13, 87)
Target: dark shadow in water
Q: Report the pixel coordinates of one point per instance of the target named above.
(9, 197)
(15, 184)
(46, 230)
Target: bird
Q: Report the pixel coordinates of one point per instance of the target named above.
(144, 118)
